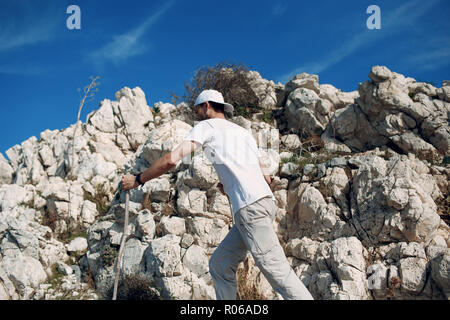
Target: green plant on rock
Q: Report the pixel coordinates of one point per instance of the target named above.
(242, 111)
(294, 159)
(108, 255)
(267, 116)
(72, 233)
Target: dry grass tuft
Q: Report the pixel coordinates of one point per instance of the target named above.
(247, 286)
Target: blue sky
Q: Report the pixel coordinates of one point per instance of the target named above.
(158, 45)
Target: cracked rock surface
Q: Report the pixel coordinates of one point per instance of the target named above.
(361, 181)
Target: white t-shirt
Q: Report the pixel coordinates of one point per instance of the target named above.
(234, 154)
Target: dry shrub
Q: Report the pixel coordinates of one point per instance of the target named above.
(147, 203)
(443, 208)
(393, 286)
(134, 287)
(229, 79)
(89, 279)
(312, 143)
(434, 158)
(167, 209)
(49, 219)
(100, 198)
(246, 284)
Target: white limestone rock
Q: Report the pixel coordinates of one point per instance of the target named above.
(78, 245)
(103, 118)
(164, 139)
(135, 114)
(201, 174)
(25, 272)
(163, 257)
(196, 261)
(191, 201)
(159, 189)
(173, 225)
(145, 226)
(207, 232)
(6, 171)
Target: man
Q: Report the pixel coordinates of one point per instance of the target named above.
(234, 154)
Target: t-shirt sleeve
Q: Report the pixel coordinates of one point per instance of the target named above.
(200, 133)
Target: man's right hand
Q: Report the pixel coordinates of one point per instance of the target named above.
(129, 182)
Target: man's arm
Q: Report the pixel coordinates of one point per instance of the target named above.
(162, 165)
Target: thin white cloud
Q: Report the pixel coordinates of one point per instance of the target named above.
(128, 44)
(11, 39)
(26, 23)
(394, 21)
(22, 25)
(432, 52)
(431, 60)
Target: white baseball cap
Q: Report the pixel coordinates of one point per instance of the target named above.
(214, 96)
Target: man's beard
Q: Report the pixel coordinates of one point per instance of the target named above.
(203, 116)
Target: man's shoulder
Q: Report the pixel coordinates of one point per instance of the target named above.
(202, 124)
(216, 123)
(222, 125)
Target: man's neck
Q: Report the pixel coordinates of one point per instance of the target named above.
(217, 115)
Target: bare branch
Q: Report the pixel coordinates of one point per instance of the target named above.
(89, 92)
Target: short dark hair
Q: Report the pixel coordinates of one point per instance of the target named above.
(218, 107)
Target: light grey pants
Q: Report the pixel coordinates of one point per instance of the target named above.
(253, 231)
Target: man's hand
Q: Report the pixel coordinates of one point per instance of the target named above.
(129, 182)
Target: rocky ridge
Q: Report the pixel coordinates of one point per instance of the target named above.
(360, 181)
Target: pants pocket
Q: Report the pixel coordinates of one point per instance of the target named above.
(255, 225)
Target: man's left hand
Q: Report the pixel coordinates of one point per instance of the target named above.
(129, 182)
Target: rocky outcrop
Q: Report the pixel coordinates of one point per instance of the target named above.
(359, 181)
(308, 106)
(398, 111)
(314, 226)
(389, 109)
(269, 94)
